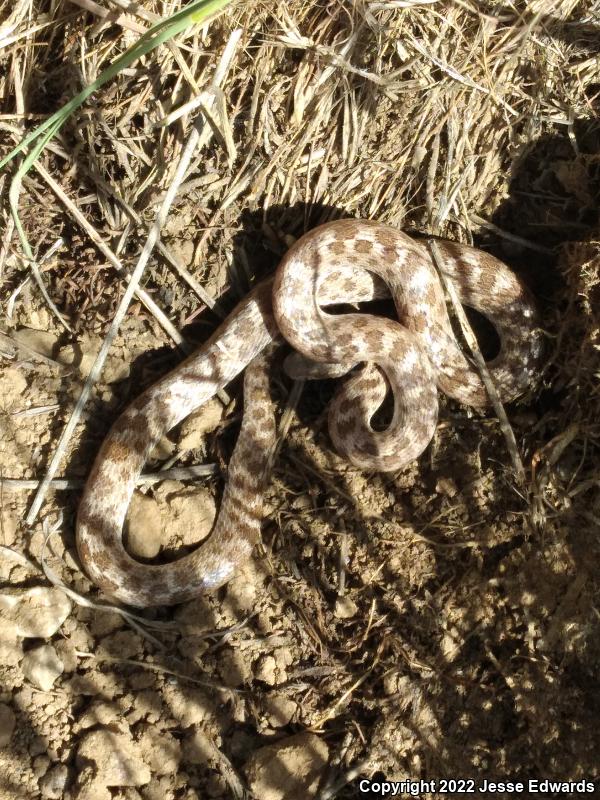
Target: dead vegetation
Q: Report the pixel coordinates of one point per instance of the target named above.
(436, 623)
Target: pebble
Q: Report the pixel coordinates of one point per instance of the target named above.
(191, 513)
(144, 527)
(279, 710)
(82, 355)
(37, 612)
(42, 666)
(197, 425)
(447, 487)
(345, 608)
(42, 342)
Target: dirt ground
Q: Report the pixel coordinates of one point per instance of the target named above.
(441, 622)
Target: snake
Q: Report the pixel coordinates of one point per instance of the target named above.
(312, 303)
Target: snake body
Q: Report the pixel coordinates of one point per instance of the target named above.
(347, 261)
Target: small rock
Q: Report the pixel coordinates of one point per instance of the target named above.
(116, 758)
(280, 710)
(272, 668)
(288, 770)
(192, 513)
(42, 666)
(36, 612)
(54, 782)
(42, 342)
(198, 424)
(82, 355)
(447, 487)
(144, 527)
(265, 670)
(345, 608)
(7, 724)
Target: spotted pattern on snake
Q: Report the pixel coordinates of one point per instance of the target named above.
(347, 261)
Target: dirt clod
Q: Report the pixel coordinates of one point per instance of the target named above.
(36, 612)
(115, 758)
(288, 770)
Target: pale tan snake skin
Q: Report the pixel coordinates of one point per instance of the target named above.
(347, 261)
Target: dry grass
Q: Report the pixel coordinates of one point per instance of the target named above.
(472, 647)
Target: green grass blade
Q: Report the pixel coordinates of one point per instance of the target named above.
(162, 31)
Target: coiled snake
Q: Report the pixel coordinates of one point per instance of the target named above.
(347, 261)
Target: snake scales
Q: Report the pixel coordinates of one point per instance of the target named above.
(347, 261)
